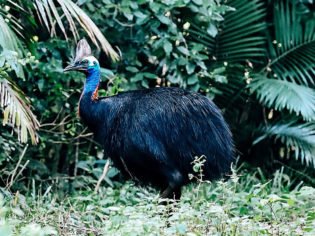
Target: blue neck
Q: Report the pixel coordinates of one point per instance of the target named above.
(92, 80)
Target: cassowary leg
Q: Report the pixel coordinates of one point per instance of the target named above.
(174, 181)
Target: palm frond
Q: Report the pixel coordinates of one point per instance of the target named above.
(16, 106)
(280, 94)
(10, 41)
(16, 110)
(299, 138)
(239, 37)
(49, 14)
(292, 51)
(16, 25)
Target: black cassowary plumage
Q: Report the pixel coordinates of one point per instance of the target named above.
(153, 135)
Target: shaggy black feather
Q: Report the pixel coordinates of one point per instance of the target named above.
(154, 135)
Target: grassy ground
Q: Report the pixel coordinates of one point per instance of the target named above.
(240, 206)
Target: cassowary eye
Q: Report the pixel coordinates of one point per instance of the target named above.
(84, 62)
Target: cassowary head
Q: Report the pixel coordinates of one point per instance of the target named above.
(84, 61)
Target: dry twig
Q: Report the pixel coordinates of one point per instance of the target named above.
(13, 173)
(106, 168)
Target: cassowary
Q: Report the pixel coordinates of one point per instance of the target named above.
(153, 135)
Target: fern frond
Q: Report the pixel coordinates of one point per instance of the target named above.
(240, 37)
(292, 51)
(280, 94)
(299, 138)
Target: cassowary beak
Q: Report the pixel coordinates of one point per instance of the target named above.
(74, 67)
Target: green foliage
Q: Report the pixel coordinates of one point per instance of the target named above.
(240, 36)
(154, 48)
(244, 205)
(287, 81)
(299, 138)
(16, 105)
(48, 11)
(16, 30)
(292, 50)
(280, 94)
(272, 58)
(291, 64)
(10, 43)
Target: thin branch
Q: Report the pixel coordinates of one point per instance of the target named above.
(123, 24)
(76, 159)
(16, 168)
(106, 168)
(22, 169)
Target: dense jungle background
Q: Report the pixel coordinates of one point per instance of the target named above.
(254, 58)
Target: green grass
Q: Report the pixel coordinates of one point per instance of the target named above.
(242, 205)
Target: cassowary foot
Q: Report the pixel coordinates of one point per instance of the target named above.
(173, 190)
(171, 193)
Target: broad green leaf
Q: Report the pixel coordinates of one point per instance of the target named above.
(168, 47)
(183, 50)
(190, 68)
(212, 30)
(192, 79)
(132, 69)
